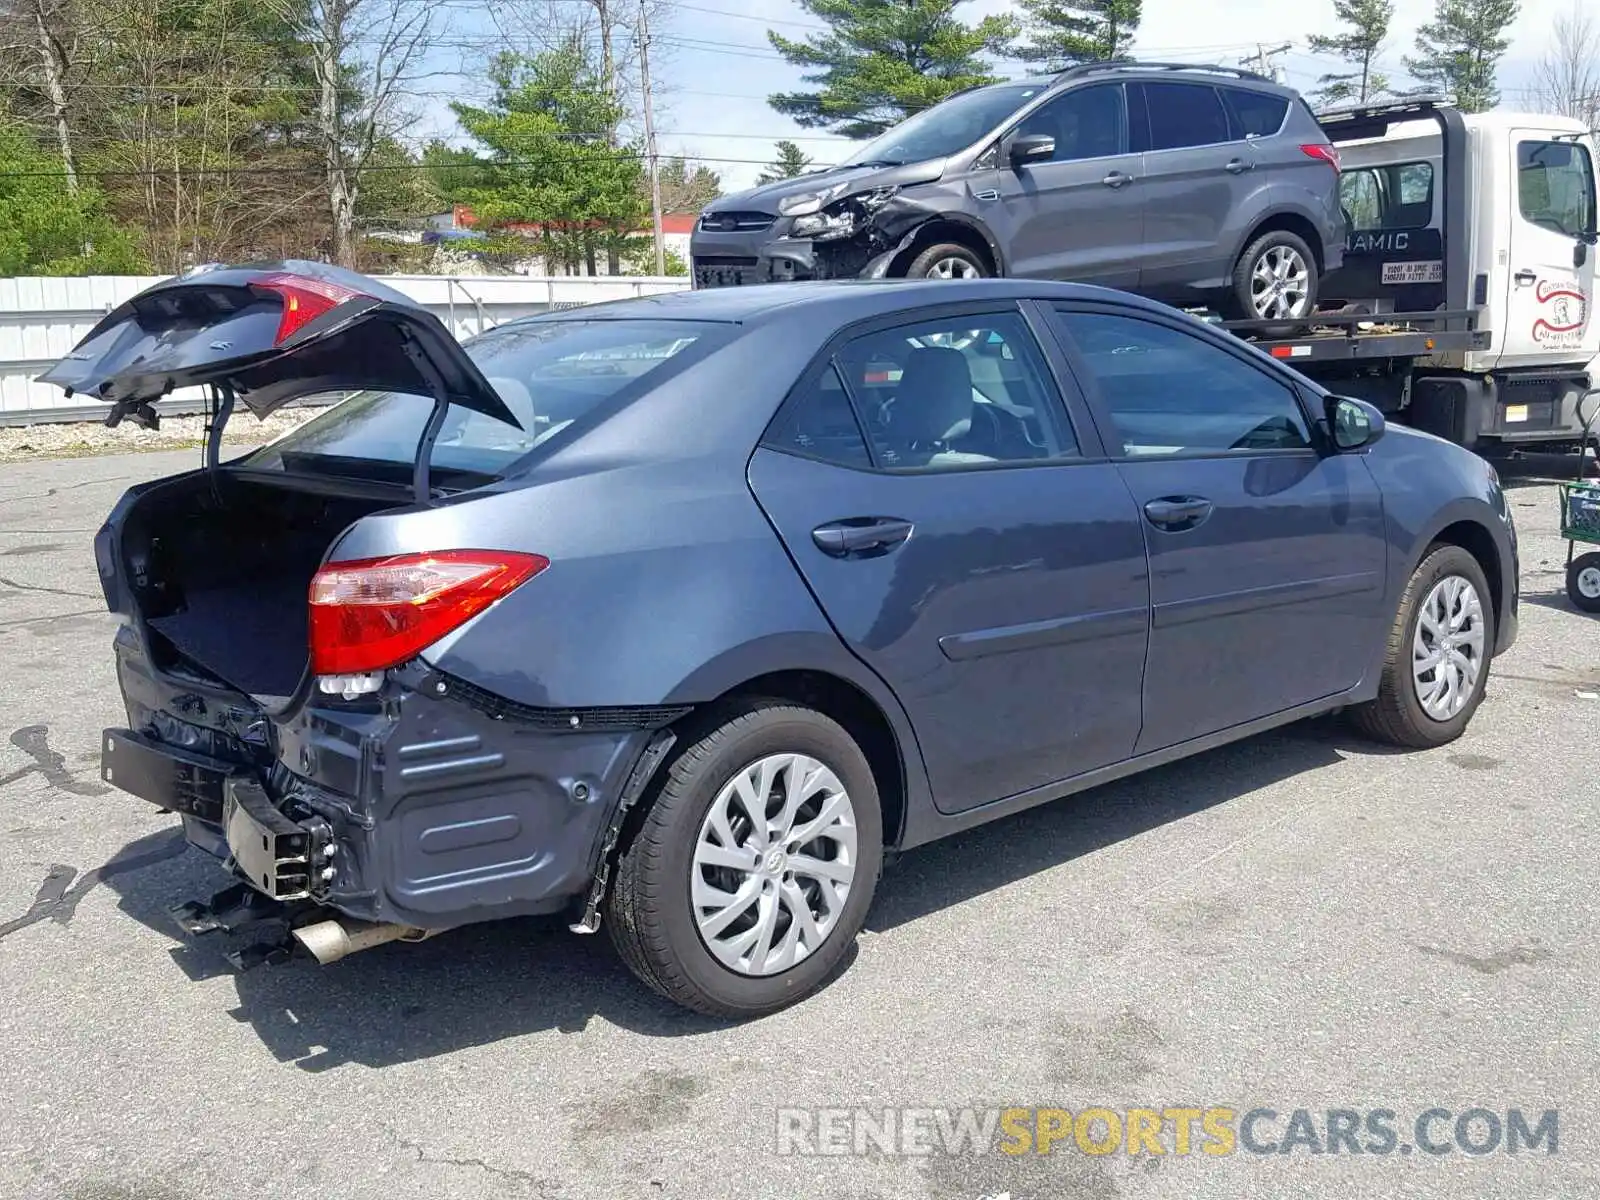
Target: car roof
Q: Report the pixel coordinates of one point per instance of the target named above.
(846, 300)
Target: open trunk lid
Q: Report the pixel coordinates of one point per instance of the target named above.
(269, 334)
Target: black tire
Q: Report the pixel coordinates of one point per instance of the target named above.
(1242, 300)
(1581, 589)
(1396, 716)
(649, 911)
(923, 265)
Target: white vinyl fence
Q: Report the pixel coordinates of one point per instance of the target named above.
(42, 318)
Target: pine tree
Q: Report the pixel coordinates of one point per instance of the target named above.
(1366, 26)
(1459, 50)
(791, 161)
(882, 60)
(1063, 32)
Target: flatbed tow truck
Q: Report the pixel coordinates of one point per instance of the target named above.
(1465, 305)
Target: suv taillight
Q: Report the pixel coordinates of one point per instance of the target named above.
(1324, 153)
(376, 613)
(304, 300)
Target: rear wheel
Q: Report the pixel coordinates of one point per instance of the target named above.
(1437, 665)
(754, 866)
(1276, 280)
(948, 260)
(1583, 582)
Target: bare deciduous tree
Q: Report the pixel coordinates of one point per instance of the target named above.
(1567, 80)
(41, 33)
(368, 60)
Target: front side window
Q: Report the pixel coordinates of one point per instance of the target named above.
(1555, 186)
(1396, 196)
(1088, 122)
(1185, 114)
(958, 392)
(549, 373)
(947, 128)
(1171, 392)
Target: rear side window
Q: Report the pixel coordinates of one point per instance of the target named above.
(1088, 122)
(550, 374)
(1397, 196)
(1171, 392)
(1555, 186)
(1255, 114)
(1185, 114)
(816, 421)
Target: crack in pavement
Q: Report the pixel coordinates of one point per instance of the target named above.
(39, 587)
(476, 1164)
(58, 896)
(67, 487)
(88, 612)
(34, 741)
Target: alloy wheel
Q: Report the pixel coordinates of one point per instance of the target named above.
(773, 864)
(1280, 285)
(953, 268)
(1447, 653)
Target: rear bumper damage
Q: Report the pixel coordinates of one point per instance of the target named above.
(428, 806)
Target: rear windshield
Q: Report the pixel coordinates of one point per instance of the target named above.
(549, 373)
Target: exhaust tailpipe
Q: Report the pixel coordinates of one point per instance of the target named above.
(329, 941)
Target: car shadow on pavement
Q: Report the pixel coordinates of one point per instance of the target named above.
(485, 983)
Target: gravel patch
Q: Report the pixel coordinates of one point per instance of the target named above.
(85, 438)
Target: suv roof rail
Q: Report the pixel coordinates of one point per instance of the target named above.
(1131, 64)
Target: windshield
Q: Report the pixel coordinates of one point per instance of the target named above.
(549, 373)
(946, 128)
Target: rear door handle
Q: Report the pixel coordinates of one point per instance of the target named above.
(1117, 180)
(1177, 513)
(1526, 278)
(1239, 166)
(861, 536)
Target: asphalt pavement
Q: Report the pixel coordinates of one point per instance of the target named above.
(1301, 921)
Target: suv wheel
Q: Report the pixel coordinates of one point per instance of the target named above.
(754, 867)
(1276, 280)
(1437, 665)
(947, 261)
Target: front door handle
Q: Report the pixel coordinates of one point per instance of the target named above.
(1178, 513)
(1526, 278)
(1117, 180)
(1239, 166)
(860, 537)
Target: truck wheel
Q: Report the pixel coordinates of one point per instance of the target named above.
(1583, 582)
(1276, 280)
(1437, 664)
(754, 866)
(947, 260)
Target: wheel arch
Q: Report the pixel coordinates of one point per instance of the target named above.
(1285, 220)
(948, 227)
(1476, 539)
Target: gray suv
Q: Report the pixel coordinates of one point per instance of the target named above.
(1189, 184)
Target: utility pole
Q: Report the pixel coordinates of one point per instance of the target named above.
(1261, 61)
(650, 135)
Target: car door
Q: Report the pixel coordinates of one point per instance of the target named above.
(1192, 169)
(1267, 550)
(1079, 214)
(969, 543)
(1551, 292)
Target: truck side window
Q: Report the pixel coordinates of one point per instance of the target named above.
(1397, 196)
(1555, 186)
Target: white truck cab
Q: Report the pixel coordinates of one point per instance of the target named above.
(1491, 216)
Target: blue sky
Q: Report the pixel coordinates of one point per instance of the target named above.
(714, 68)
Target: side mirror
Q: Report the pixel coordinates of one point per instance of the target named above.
(1028, 148)
(1353, 424)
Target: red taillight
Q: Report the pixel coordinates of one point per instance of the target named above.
(376, 613)
(1325, 153)
(305, 298)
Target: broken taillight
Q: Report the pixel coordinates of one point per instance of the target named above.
(376, 613)
(305, 298)
(1324, 153)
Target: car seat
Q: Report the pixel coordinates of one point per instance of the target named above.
(932, 408)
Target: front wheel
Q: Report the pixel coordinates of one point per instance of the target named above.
(754, 866)
(947, 261)
(1583, 582)
(1276, 280)
(1437, 665)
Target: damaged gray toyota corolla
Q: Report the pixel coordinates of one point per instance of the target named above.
(673, 615)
